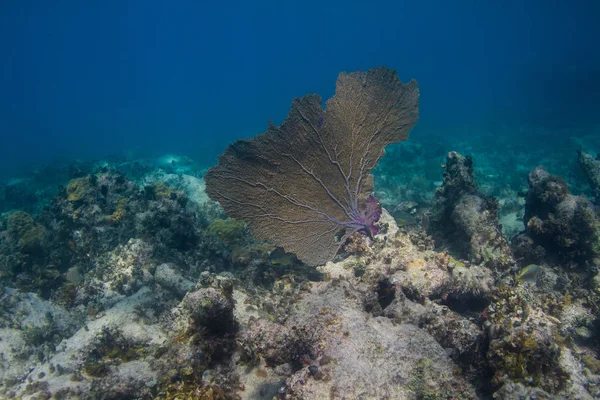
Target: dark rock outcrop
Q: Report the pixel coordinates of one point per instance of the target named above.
(467, 220)
(590, 167)
(564, 225)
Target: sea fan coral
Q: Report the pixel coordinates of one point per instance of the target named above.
(306, 185)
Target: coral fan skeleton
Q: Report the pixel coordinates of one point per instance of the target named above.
(306, 185)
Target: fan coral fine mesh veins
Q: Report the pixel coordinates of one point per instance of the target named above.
(306, 185)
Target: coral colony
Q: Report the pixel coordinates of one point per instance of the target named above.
(306, 185)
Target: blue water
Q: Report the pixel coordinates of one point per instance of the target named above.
(90, 79)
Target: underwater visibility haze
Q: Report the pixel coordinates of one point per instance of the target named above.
(257, 200)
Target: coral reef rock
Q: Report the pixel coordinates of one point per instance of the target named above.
(211, 310)
(591, 169)
(166, 275)
(466, 219)
(123, 289)
(341, 354)
(564, 225)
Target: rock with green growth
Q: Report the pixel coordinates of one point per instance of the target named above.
(591, 169)
(158, 191)
(24, 255)
(566, 226)
(77, 188)
(230, 231)
(27, 234)
(352, 354)
(465, 219)
(526, 343)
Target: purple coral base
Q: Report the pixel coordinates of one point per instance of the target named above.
(365, 223)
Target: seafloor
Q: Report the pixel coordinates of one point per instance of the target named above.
(120, 279)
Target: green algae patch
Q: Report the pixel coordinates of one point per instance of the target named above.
(456, 262)
(111, 348)
(19, 223)
(77, 188)
(228, 230)
(159, 191)
(190, 390)
(25, 231)
(592, 363)
(120, 211)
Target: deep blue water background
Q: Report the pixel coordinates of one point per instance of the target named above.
(86, 79)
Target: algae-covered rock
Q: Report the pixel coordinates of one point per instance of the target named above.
(126, 268)
(104, 353)
(27, 234)
(591, 169)
(465, 219)
(25, 255)
(211, 310)
(566, 226)
(337, 352)
(77, 188)
(230, 230)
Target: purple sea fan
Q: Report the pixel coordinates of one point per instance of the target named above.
(306, 185)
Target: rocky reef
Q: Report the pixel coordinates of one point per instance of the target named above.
(590, 167)
(466, 220)
(560, 226)
(130, 283)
